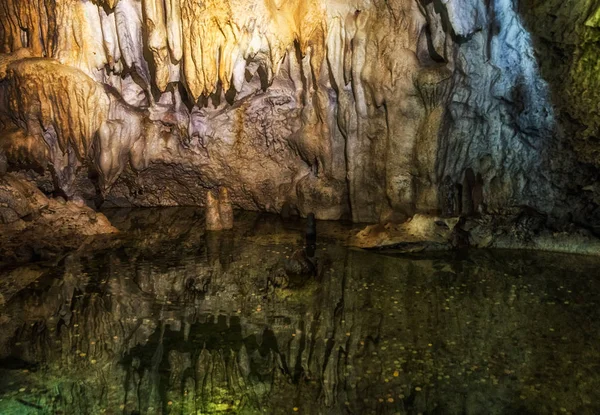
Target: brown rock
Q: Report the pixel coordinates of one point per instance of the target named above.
(213, 214)
(29, 219)
(225, 209)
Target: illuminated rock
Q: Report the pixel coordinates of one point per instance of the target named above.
(349, 110)
(219, 211)
(225, 209)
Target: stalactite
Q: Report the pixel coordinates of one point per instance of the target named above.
(314, 93)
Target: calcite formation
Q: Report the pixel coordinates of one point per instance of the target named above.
(219, 212)
(35, 227)
(369, 110)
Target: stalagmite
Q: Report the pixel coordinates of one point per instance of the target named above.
(225, 209)
(219, 211)
(213, 213)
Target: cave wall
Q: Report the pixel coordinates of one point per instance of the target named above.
(567, 35)
(369, 110)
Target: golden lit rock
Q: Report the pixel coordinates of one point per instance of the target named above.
(45, 96)
(372, 110)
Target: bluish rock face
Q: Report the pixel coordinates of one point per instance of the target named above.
(371, 112)
(502, 121)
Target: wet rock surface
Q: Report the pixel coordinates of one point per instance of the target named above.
(34, 227)
(523, 229)
(179, 320)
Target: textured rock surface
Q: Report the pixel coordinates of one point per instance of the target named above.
(519, 230)
(370, 111)
(33, 226)
(567, 36)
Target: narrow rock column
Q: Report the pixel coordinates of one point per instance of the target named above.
(213, 216)
(219, 211)
(225, 209)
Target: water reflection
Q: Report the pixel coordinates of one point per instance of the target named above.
(177, 320)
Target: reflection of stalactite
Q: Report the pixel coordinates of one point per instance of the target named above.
(100, 332)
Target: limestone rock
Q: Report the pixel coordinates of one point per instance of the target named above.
(219, 211)
(225, 209)
(31, 223)
(3, 163)
(369, 111)
(213, 214)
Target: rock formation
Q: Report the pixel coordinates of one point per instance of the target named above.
(34, 227)
(219, 212)
(368, 110)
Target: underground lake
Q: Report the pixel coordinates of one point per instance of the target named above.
(321, 207)
(169, 318)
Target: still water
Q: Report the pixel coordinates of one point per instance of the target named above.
(169, 319)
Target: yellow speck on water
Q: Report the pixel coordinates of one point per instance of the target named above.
(82, 354)
(296, 409)
(396, 374)
(430, 345)
(93, 361)
(418, 389)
